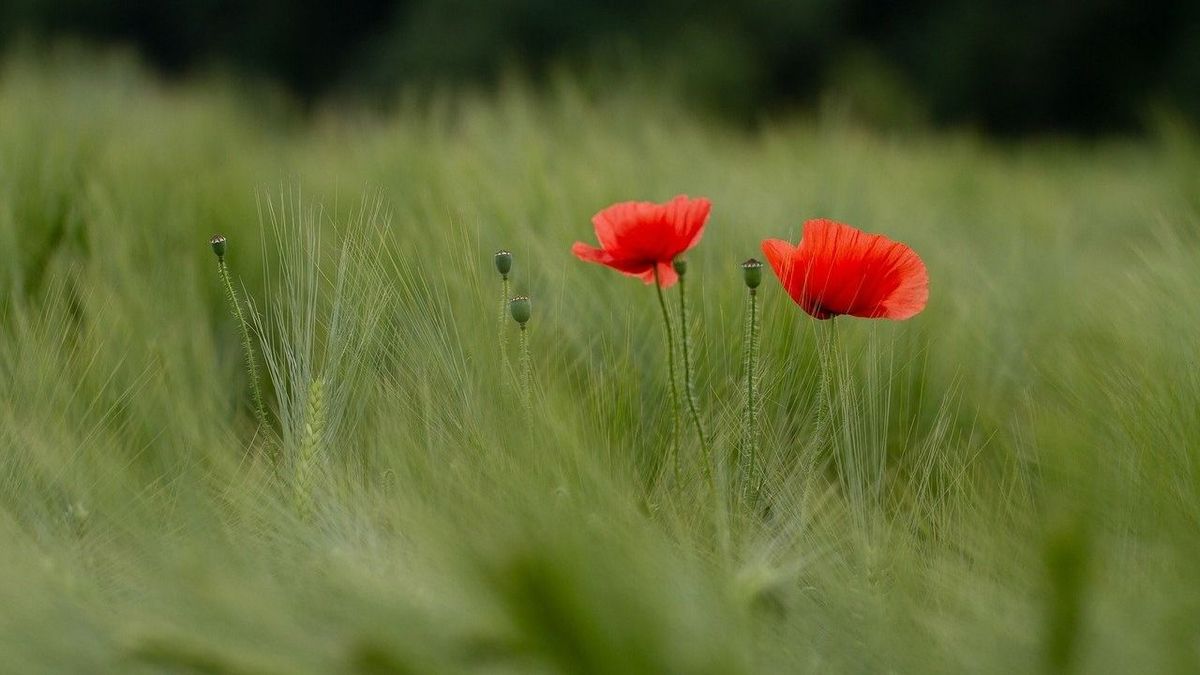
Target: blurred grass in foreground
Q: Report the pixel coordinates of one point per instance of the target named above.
(1010, 482)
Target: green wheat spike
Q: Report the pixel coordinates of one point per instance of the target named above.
(310, 445)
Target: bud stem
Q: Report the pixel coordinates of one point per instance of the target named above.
(260, 411)
(502, 321)
(749, 470)
(526, 378)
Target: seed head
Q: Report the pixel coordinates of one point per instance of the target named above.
(680, 265)
(503, 262)
(519, 308)
(218, 245)
(752, 273)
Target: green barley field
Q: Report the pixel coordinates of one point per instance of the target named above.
(1007, 483)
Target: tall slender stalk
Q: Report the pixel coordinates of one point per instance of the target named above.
(662, 303)
(526, 376)
(755, 369)
(747, 360)
(260, 411)
(502, 322)
(503, 261)
(688, 389)
(750, 435)
(825, 344)
(521, 308)
(748, 450)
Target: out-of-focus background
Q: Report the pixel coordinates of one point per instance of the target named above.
(1003, 66)
(1008, 482)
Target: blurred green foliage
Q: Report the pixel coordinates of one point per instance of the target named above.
(1005, 66)
(1007, 483)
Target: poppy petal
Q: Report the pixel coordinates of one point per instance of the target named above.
(687, 218)
(628, 225)
(830, 256)
(641, 269)
(636, 238)
(779, 255)
(909, 285)
(839, 269)
(862, 274)
(666, 275)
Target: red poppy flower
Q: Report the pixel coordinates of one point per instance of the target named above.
(838, 269)
(636, 237)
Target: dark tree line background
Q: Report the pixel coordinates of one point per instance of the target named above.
(1007, 66)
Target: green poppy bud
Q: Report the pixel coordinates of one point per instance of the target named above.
(503, 262)
(218, 246)
(519, 307)
(752, 273)
(680, 265)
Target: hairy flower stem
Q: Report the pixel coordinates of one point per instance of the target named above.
(740, 459)
(689, 390)
(662, 303)
(749, 469)
(502, 320)
(260, 410)
(526, 378)
(310, 445)
(825, 339)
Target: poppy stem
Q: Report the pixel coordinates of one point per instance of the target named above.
(689, 390)
(662, 303)
(503, 260)
(260, 410)
(526, 378)
(825, 342)
(750, 435)
(521, 308)
(744, 442)
(502, 321)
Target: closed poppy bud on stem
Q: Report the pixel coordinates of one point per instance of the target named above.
(520, 309)
(748, 472)
(503, 262)
(752, 273)
(680, 265)
(218, 245)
